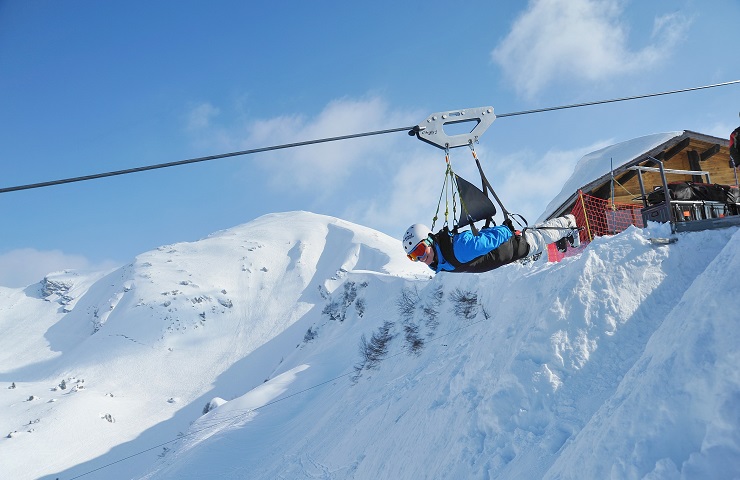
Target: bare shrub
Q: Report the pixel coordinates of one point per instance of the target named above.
(430, 309)
(336, 308)
(464, 304)
(373, 351)
(407, 302)
(414, 342)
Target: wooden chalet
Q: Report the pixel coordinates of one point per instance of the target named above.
(614, 174)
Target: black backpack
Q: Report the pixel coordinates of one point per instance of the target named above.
(734, 154)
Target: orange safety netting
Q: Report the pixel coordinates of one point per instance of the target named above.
(599, 217)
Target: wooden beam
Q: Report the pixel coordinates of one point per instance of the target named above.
(710, 152)
(676, 149)
(694, 165)
(604, 190)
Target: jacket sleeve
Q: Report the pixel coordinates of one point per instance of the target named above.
(469, 247)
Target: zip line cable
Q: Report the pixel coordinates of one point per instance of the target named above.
(199, 159)
(332, 139)
(599, 102)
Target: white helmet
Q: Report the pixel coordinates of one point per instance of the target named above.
(416, 234)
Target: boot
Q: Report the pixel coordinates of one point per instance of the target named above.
(574, 238)
(562, 245)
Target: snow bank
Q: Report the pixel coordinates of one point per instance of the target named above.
(332, 356)
(676, 413)
(550, 372)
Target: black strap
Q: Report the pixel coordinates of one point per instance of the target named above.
(487, 186)
(443, 238)
(507, 215)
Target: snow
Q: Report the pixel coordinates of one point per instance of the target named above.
(238, 356)
(599, 163)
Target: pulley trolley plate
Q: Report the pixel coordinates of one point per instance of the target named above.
(432, 130)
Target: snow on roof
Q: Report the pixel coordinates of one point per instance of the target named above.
(599, 163)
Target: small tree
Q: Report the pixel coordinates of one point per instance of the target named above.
(414, 343)
(431, 309)
(373, 351)
(360, 307)
(464, 304)
(310, 335)
(336, 309)
(407, 302)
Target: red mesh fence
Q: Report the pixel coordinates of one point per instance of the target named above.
(599, 217)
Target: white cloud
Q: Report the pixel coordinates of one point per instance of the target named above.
(26, 266)
(322, 165)
(411, 195)
(201, 115)
(587, 40)
(316, 167)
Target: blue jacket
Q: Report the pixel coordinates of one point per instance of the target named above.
(465, 252)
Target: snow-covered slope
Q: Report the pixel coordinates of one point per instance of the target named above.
(144, 348)
(240, 356)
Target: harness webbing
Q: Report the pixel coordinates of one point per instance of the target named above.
(450, 188)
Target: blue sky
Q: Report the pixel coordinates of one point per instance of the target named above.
(91, 87)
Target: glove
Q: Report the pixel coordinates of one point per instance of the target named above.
(510, 225)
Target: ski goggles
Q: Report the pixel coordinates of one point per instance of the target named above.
(418, 251)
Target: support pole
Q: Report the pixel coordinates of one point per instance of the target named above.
(585, 216)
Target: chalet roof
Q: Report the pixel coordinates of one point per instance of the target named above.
(596, 167)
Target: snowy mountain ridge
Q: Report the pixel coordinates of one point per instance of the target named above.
(303, 346)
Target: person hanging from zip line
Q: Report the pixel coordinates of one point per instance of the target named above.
(492, 248)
